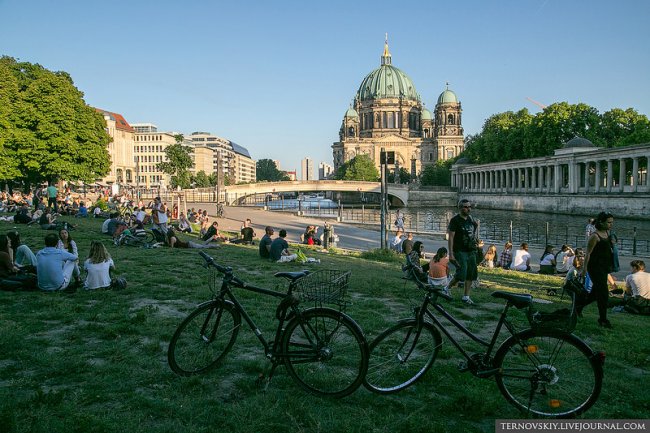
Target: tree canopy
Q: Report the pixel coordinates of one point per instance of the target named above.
(177, 164)
(47, 131)
(266, 170)
(361, 167)
(521, 135)
(437, 174)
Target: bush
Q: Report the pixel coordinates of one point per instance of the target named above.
(381, 255)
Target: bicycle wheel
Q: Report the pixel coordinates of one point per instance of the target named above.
(325, 351)
(203, 338)
(401, 355)
(548, 373)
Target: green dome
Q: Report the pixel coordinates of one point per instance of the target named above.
(426, 114)
(447, 97)
(351, 113)
(387, 81)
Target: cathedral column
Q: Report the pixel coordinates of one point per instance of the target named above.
(557, 178)
(587, 165)
(599, 178)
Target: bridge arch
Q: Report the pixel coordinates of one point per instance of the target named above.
(234, 194)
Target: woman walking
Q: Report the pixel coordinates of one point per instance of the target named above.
(598, 263)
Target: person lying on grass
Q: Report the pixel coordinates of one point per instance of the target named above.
(175, 242)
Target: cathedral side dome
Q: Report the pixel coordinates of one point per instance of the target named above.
(426, 114)
(352, 113)
(447, 97)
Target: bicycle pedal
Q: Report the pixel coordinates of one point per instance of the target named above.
(463, 367)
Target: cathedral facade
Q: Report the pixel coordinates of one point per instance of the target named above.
(388, 113)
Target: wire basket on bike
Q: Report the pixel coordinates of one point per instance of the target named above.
(327, 286)
(560, 315)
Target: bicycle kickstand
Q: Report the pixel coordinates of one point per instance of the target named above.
(263, 381)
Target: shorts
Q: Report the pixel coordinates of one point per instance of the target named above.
(466, 269)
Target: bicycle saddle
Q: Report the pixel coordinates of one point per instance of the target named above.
(293, 276)
(519, 301)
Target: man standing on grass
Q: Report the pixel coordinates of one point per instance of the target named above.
(462, 236)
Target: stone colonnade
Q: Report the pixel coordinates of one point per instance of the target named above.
(569, 171)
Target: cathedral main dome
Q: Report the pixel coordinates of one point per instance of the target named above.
(387, 81)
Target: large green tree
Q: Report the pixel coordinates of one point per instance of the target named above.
(201, 180)
(361, 167)
(437, 174)
(178, 163)
(520, 135)
(47, 131)
(266, 170)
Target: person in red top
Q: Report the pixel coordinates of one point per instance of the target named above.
(439, 269)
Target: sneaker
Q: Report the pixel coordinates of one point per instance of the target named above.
(445, 290)
(467, 301)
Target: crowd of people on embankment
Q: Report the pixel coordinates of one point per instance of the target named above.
(56, 266)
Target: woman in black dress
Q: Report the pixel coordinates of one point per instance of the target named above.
(598, 263)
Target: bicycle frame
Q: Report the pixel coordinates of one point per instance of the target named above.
(226, 294)
(424, 310)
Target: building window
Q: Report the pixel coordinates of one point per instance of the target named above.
(450, 119)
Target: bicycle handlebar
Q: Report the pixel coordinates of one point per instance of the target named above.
(226, 270)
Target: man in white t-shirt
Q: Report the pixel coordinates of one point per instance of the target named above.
(637, 284)
(521, 260)
(637, 289)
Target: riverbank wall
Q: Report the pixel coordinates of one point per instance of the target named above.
(635, 206)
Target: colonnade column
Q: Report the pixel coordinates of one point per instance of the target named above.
(598, 180)
(635, 173)
(610, 175)
(622, 175)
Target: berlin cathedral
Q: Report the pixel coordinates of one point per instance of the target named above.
(388, 113)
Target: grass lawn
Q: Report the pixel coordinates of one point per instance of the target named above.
(96, 361)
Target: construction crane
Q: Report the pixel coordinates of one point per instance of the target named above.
(539, 104)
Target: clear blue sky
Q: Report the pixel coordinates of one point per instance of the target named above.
(277, 76)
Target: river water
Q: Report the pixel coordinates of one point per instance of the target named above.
(536, 228)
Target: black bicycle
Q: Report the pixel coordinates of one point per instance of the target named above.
(323, 349)
(544, 370)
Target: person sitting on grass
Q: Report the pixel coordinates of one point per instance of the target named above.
(439, 268)
(547, 261)
(521, 260)
(54, 266)
(23, 257)
(505, 258)
(184, 225)
(67, 243)
(413, 261)
(47, 220)
(175, 242)
(279, 251)
(265, 243)
(82, 212)
(247, 234)
(637, 289)
(564, 259)
(212, 234)
(99, 267)
(490, 257)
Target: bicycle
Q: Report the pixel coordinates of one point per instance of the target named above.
(322, 348)
(139, 239)
(544, 370)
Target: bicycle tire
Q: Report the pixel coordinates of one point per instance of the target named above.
(204, 338)
(395, 362)
(325, 351)
(548, 373)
